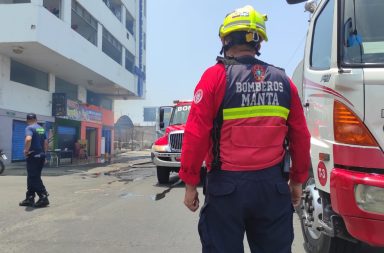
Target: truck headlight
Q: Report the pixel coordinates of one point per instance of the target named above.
(160, 148)
(370, 198)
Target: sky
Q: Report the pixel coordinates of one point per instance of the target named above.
(182, 41)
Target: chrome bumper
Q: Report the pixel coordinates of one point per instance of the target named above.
(166, 159)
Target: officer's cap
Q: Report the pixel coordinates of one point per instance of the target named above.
(31, 116)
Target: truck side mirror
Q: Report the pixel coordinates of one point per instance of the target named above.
(161, 118)
(164, 119)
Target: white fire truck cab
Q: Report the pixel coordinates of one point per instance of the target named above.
(341, 79)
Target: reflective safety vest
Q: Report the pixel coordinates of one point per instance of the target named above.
(250, 127)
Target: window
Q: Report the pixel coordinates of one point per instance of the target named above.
(21, 1)
(68, 88)
(15, 1)
(27, 75)
(115, 7)
(111, 46)
(129, 61)
(106, 103)
(145, 41)
(83, 23)
(93, 98)
(322, 38)
(363, 36)
(145, 8)
(130, 23)
(144, 71)
(99, 100)
(53, 6)
(180, 114)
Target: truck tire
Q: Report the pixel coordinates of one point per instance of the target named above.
(314, 240)
(163, 174)
(2, 167)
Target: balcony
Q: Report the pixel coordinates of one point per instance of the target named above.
(40, 39)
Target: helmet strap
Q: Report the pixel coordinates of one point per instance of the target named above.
(257, 48)
(241, 38)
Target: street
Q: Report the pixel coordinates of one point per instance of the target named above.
(102, 211)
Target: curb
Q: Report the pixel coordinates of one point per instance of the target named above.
(88, 168)
(117, 166)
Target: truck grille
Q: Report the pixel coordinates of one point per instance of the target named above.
(175, 141)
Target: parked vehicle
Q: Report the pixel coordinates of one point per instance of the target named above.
(341, 79)
(166, 150)
(3, 157)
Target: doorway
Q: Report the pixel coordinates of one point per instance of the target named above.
(91, 136)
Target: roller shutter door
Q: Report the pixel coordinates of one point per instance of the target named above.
(18, 137)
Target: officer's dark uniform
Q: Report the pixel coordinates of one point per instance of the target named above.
(35, 163)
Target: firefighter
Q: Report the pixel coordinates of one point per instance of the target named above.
(243, 112)
(35, 147)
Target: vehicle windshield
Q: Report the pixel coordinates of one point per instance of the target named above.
(363, 32)
(180, 115)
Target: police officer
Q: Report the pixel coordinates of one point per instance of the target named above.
(243, 112)
(35, 147)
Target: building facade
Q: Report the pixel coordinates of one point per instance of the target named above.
(68, 61)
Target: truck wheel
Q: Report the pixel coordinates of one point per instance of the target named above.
(2, 167)
(310, 213)
(163, 174)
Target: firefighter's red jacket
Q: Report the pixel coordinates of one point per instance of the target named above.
(241, 114)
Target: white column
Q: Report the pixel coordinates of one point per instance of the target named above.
(51, 83)
(81, 94)
(123, 59)
(66, 11)
(99, 35)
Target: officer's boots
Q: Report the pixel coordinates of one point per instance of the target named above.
(43, 200)
(28, 201)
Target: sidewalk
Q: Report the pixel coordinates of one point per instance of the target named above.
(94, 164)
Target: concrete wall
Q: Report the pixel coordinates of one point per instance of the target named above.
(19, 97)
(6, 120)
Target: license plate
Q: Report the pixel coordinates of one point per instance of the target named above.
(4, 157)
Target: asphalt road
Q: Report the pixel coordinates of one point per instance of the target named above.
(101, 211)
(115, 208)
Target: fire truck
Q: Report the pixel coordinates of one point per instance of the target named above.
(341, 81)
(166, 150)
